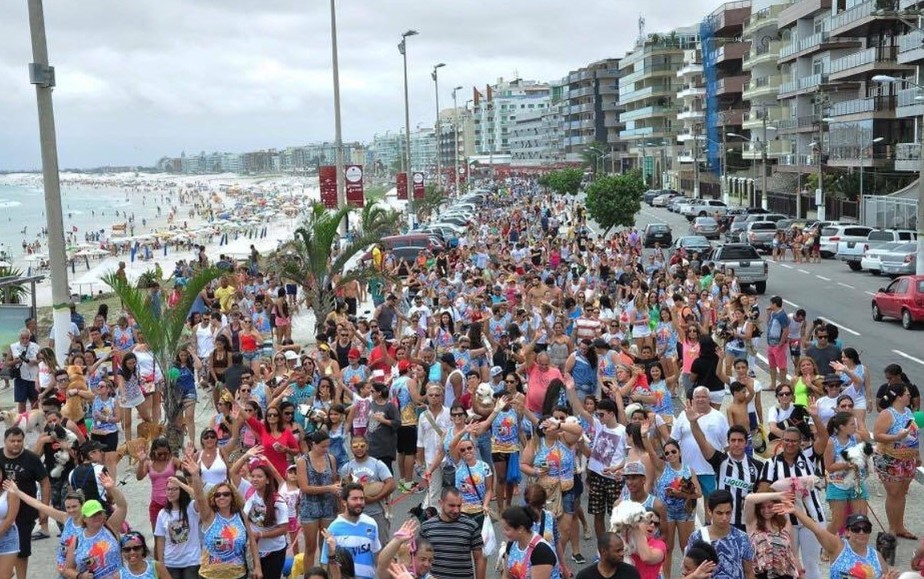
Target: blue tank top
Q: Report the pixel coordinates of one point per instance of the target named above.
(648, 503)
(103, 409)
(850, 565)
(559, 459)
(582, 372)
(670, 478)
(68, 536)
(224, 543)
(100, 554)
(607, 366)
(148, 573)
(838, 477)
(518, 565)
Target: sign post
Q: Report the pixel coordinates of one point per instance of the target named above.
(354, 185)
(418, 185)
(401, 182)
(327, 177)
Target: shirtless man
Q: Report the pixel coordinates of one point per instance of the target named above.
(352, 292)
(737, 410)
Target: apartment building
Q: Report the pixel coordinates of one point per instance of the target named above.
(648, 87)
(590, 108)
(495, 111)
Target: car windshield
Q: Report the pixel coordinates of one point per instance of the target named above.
(881, 236)
(829, 231)
(695, 240)
(739, 252)
(657, 228)
(705, 221)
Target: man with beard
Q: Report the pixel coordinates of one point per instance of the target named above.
(456, 540)
(25, 468)
(366, 470)
(356, 532)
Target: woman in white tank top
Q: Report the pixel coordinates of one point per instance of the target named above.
(212, 460)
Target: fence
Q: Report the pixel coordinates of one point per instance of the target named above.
(889, 212)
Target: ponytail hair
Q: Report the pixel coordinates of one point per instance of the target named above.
(519, 517)
(892, 393)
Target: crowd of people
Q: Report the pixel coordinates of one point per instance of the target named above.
(514, 390)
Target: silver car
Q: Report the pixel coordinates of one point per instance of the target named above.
(872, 258)
(901, 260)
(708, 227)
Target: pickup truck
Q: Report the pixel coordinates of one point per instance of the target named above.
(760, 234)
(852, 252)
(702, 208)
(744, 260)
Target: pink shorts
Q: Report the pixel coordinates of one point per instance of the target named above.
(778, 356)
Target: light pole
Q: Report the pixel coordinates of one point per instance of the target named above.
(455, 132)
(402, 48)
(436, 88)
(43, 77)
(742, 137)
(338, 133)
(763, 161)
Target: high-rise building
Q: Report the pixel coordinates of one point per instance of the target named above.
(589, 107)
(495, 112)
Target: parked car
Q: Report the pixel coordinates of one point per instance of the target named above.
(900, 261)
(663, 199)
(902, 299)
(674, 203)
(657, 233)
(872, 258)
(691, 243)
(747, 264)
(831, 235)
(702, 208)
(649, 196)
(759, 234)
(735, 227)
(774, 217)
(708, 227)
(852, 251)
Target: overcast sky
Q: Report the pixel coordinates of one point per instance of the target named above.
(140, 79)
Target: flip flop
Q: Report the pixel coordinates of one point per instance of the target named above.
(907, 535)
(39, 535)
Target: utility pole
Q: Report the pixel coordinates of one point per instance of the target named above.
(725, 194)
(820, 191)
(43, 77)
(436, 86)
(696, 161)
(763, 162)
(402, 48)
(338, 132)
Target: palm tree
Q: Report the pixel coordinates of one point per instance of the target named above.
(164, 335)
(12, 293)
(590, 155)
(316, 258)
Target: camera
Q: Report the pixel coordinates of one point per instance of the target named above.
(23, 356)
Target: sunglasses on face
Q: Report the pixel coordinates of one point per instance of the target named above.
(467, 449)
(223, 495)
(457, 414)
(132, 549)
(864, 529)
(272, 414)
(781, 394)
(288, 413)
(245, 390)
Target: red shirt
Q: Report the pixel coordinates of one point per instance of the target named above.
(537, 382)
(280, 460)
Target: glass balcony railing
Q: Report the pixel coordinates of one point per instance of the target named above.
(860, 106)
(799, 44)
(910, 97)
(863, 57)
(792, 160)
(861, 11)
(769, 82)
(908, 151)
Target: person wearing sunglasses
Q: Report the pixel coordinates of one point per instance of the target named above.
(135, 561)
(93, 552)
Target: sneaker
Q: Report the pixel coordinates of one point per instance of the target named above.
(404, 486)
(578, 558)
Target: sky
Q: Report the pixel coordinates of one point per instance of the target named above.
(143, 79)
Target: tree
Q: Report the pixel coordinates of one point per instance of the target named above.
(13, 293)
(591, 154)
(431, 201)
(565, 181)
(164, 335)
(316, 258)
(613, 200)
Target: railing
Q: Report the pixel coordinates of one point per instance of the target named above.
(867, 56)
(910, 97)
(731, 84)
(579, 92)
(646, 112)
(757, 116)
(796, 160)
(763, 17)
(804, 83)
(907, 151)
(867, 105)
(911, 41)
(798, 45)
(797, 123)
(860, 11)
(857, 152)
(764, 82)
(641, 132)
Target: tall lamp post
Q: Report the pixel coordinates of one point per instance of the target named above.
(742, 137)
(402, 48)
(338, 133)
(455, 132)
(436, 88)
(43, 77)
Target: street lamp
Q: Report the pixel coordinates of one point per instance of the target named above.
(919, 215)
(743, 138)
(338, 133)
(436, 87)
(402, 48)
(455, 132)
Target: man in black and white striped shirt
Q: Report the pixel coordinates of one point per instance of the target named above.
(456, 539)
(735, 471)
(795, 461)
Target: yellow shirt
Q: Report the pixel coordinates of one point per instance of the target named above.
(224, 295)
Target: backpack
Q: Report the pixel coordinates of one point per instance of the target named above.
(83, 478)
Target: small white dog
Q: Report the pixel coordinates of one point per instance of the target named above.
(857, 456)
(485, 394)
(626, 516)
(29, 421)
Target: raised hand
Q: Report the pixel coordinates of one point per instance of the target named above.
(106, 481)
(691, 413)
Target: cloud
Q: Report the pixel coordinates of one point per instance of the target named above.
(137, 80)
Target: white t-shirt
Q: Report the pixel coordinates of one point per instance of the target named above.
(427, 437)
(714, 425)
(181, 540)
(827, 407)
(255, 511)
(608, 448)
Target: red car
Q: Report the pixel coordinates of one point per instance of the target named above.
(902, 299)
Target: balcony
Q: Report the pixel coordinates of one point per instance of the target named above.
(875, 107)
(910, 103)
(795, 87)
(691, 91)
(731, 84)
(907, 156)
(637, 133)
(609, 88)
(767, 85)
(857, 155)
(731, 51)
(641, 71)
(810, 44)
(753, 119)
(689, 114)
(574, 93)
(611, 105)
(801, 9)
(730, 118)
(860, 64)
(911, 47)
(573, 109)
(647, 112)
(762, 19)
(760, 54)
(790, 163)
(864, 19)
(690, 68)
(648, 92)
(686, 157)
(797, 125)
(753, 150)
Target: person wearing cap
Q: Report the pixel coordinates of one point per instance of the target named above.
(406, 391)
(636, 477)
(733, 546)
(827, 405)
(135, 557)
(354, 372)
(96, 552)
(851, 553)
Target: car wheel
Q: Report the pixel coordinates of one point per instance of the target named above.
(826, 255)
(702, 214)
(877, 314)
(761, 287)
(854, 265)
(907, 320)
(875, 272)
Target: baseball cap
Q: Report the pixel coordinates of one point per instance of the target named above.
(634, 469)
(354, 353)
(90, 508)
(496, 371)
(854, 519)
(290, 355)
(403, 365)
(601, 343)
(89, 446)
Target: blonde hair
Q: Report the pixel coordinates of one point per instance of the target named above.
(237, 501)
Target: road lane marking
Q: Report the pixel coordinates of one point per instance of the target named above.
(846, 285)
(845, 328)
(784, 265)
(802, 271)
(869, 293)
(793, 304)
(823, 277)
(909, 357)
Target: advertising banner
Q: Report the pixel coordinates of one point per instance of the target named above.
(402, 186)
(353, 175)
(418, 185)
(327, 176)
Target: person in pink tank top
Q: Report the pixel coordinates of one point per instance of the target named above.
(159, 466)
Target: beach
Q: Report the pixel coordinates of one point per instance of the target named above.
(225, 213)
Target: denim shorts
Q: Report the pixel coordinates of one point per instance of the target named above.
(314, 508)
(834, 493)
(567, 501)
(9, 541)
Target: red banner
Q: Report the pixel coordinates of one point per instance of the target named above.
(418, 185)
(462, 173)
(327, 176)
(402, 186)
(353, 175)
